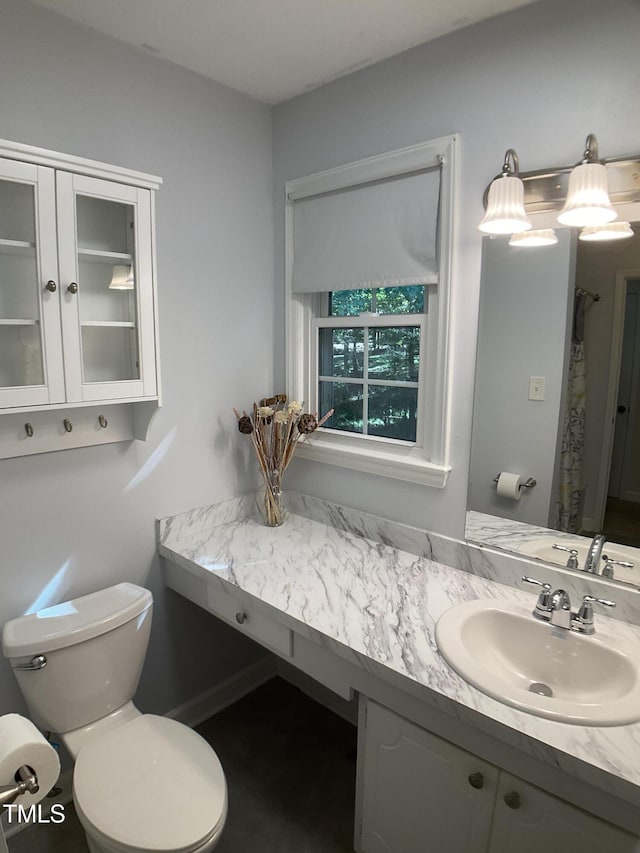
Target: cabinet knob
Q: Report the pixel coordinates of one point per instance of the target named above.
(73, 287)
(51, 286)
(241, 617)
(512, 799)
(476, 780)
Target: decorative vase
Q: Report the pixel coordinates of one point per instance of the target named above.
(274, 511)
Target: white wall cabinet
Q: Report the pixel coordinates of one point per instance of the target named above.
(421, 794)
(77, 290)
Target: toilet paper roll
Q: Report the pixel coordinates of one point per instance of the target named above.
(510, 485)
(21, 743)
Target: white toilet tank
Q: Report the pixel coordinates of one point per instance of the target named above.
(92, 648)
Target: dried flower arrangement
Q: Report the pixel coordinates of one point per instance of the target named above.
(275, 428)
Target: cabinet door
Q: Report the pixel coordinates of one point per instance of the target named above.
(30, 345)
(529, 820)
(106, 277)
(418, 791)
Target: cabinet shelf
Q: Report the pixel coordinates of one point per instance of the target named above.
(11, 322)
(97, 256)
(107, 324)
(16, 247)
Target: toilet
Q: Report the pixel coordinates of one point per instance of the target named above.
(141, 783)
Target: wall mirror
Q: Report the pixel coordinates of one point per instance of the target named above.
(557, 399)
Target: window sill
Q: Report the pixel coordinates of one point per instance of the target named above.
(399, 465)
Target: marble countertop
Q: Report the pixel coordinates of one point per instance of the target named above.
(514, 536)
(383, 604)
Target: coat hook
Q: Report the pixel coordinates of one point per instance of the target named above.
(104, 423)
(28, 428)
(67, 425)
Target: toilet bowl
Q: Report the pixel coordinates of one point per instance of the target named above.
(141, 783)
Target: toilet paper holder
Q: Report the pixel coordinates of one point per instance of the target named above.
(26, 783)
(528, 484)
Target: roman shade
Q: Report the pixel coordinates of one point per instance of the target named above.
(378, 233)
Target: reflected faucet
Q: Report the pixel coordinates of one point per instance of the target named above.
(592, 561)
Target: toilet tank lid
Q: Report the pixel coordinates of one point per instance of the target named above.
(75, 621)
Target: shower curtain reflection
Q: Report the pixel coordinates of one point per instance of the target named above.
(571, 484)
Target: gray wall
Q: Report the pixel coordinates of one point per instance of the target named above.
(78, 520)
(522, 332)
(539, 80)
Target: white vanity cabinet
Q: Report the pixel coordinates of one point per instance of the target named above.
(77, 291)
(421, 794)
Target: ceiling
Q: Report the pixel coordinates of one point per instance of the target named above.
(275, 49)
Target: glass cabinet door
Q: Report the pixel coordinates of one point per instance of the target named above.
(105, 271)
(29, 299)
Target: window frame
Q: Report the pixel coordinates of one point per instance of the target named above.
(372, 321)
(427, 461)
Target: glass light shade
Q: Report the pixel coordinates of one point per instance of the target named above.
(542, 237)
(122, 277)
(505, 208)
(588, 197)
(610, 231)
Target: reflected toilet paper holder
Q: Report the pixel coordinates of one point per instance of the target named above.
(528, 484)
(26, 783)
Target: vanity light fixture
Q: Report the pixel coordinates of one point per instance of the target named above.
(505, 204)
(610, 231)
(588, 201)
(122, 277)
(539, 237)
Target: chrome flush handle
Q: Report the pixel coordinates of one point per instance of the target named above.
(36, 663)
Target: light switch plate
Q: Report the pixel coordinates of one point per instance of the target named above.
(536, 387)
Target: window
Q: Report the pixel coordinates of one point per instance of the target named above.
(368, 370)
(368, 268)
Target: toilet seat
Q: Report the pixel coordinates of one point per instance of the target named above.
(152, 784)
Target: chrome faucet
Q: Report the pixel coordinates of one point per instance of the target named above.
(592, 561)
(555, 608)
(560, 612)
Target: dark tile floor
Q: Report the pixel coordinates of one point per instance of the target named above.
(290, 767)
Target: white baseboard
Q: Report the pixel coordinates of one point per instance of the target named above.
(205, 705)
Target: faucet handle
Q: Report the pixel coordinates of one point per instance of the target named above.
(584, 616)
(622, 563)
(608, 564)
(588, 599)
(543, 604)
(545, 586)
(572, 561)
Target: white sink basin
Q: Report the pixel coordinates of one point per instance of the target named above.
(551, 672)
(542, 548)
